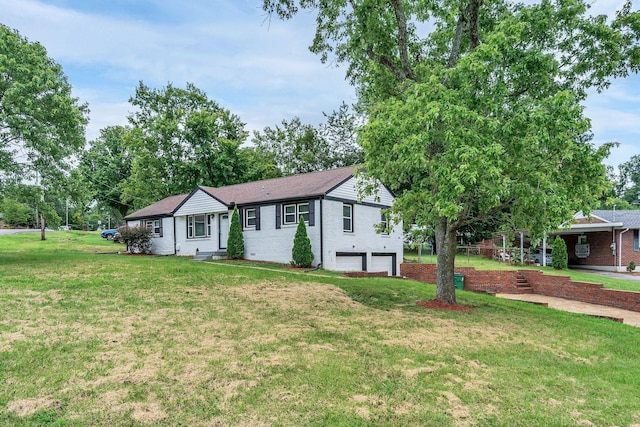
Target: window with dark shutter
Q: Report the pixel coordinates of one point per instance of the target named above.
(312, 213)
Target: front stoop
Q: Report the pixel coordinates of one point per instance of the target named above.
(204, 256)
(522, 285)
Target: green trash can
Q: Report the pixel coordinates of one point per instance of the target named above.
(459, 280)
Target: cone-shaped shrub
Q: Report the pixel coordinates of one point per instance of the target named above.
(301, 253)
(559, 256)
(235, 242)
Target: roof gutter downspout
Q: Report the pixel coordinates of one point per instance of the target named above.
(321, 234)
(620, 247)
(175, 248)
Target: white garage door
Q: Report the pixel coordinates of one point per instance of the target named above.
(382, 263)
(349, 262)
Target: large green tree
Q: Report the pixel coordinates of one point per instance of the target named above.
(475, 105)
(41, 123)
(296, 147)
(628, 186)
(180, 139)
(105, 166)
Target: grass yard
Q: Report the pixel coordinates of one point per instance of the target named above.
(91, 338)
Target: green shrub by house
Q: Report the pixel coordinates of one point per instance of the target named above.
(138, 239)
(235, 242)
(560, 259)
(301, 253)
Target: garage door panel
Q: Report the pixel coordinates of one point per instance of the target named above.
(382, 263)
(349, 263)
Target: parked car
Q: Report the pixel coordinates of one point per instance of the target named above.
(537, 258)
(117, 238)
(108, 234)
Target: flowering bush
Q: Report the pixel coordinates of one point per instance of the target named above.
(138, 239)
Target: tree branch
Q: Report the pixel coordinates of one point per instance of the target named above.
(468, 20)
(403, 50)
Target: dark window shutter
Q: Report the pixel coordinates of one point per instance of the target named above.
(278, 215)
(353, 227)
(242, 219)
(312, 213)
(257, 217)
(161, 221)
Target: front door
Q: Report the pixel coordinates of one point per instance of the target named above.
(223, 226)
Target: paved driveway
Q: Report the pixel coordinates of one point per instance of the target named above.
(629, 317)
(5, 231)
(624, 276)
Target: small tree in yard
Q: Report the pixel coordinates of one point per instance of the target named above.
(559, 260)
(138, 239)
(235, 242)
(301, 253)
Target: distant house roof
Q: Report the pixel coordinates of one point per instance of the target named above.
(312, 184)
(629, 218)
(288, 187)
(603, 220)
(164, 207)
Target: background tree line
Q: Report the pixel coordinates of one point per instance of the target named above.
(176, 138)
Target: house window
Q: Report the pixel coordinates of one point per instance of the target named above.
(198, 226)
(347, 218)
(582, 240)
(636, 240)
(303, 211)
(384, 223)
(155, 225)
(292, 212)
(250, 218)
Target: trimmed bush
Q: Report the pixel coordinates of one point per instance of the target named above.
(138, 239)
(560, 258)
(301, 253)
(235, 242)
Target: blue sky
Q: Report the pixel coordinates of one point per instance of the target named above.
(260, 70)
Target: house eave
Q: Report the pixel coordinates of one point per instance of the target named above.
(589, 228)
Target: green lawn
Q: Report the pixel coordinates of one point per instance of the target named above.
(91, 338)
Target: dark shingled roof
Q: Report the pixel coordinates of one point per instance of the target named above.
(630, 218)
(290, 187)
(165, 207)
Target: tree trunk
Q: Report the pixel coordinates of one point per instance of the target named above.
(446, 243)
(42, 235)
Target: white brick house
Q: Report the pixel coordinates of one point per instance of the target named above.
(342, 228)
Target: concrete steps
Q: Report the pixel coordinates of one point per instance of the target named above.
(204, 255)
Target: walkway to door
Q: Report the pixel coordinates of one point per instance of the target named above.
(629, 317)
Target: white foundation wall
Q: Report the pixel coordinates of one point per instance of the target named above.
(363, 239)
(275, 245)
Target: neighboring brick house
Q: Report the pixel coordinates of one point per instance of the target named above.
(342, 228)
(605, 240)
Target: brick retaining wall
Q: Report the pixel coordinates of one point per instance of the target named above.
(543, 284)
